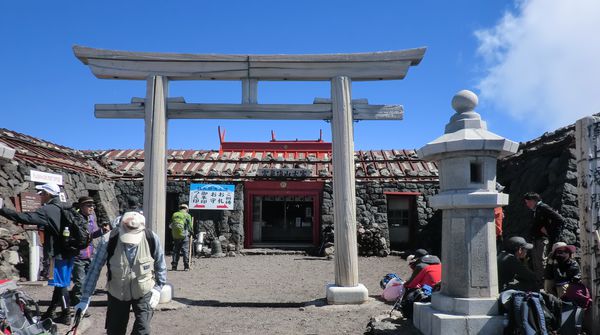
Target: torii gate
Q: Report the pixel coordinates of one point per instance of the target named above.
(340, 69)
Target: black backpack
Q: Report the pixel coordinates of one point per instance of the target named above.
(79, 235)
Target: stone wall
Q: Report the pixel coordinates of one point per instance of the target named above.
(227, 226)
(15, 179)
(371, 216)
(546, 165)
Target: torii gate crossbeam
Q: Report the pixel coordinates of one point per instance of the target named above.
(339, 69)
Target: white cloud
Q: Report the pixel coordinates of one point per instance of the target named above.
(543, 62)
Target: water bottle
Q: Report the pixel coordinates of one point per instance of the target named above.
(66, 233)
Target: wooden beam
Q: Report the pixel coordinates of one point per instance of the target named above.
(113, 64)
(321, 111)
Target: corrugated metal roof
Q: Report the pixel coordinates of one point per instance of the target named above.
(243, 165)
(401, 165)
(32, 150)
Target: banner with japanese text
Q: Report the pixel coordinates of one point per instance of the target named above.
(212, 196)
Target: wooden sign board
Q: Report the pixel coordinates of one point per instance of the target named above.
(30, 202)
(284, 173)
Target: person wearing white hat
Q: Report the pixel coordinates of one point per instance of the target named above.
(136, 274)
(561, 269)
(48, 217)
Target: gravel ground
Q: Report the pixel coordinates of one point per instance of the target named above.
(265, 294)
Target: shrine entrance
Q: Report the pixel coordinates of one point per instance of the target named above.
(157, 69)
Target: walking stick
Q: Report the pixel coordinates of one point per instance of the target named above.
(190, 251)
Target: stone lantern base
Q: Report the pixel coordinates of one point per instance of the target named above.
(339, 295)
(448, 315)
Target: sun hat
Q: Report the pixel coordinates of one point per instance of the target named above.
(183, 206)
(563, 246)
(131, 229)
(84, 200)
(49, 188)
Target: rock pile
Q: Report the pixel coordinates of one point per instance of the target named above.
(372, 241)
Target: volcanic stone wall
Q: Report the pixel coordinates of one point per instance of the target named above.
(546, 165)
(14, 180)
(371, 216)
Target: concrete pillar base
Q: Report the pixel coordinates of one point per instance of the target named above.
(339, 295)
(433, 322)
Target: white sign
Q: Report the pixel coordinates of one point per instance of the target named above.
(212, 196)
(45, 177)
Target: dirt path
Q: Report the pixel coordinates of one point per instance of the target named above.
(267, 294)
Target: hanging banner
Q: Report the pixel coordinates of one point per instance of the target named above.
(212, 196)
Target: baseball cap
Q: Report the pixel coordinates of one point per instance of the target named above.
(49, 188)
(420, 253)
(183, 206)
(516, 242)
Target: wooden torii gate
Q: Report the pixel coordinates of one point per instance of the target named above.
(339, 69)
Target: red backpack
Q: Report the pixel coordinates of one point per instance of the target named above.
(578, 294)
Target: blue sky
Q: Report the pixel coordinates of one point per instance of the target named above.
(533, 63)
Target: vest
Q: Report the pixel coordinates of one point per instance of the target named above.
(131, 282)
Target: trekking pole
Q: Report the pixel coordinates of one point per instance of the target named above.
(76, 323)
(190, 251)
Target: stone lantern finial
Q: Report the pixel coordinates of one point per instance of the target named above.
(464, 103)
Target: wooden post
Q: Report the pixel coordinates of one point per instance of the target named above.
(249, 91)
(344, 196)
(587, 139)
(155, 155)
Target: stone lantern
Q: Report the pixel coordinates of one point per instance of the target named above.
(467, 154)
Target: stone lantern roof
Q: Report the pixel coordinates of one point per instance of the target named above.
(466, 131)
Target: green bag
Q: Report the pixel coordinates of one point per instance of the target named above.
(178, 225)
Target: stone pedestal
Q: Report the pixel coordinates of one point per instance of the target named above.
(430, 320)
(343, 295)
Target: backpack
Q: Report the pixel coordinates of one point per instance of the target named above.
(578, 294)
(112, 245)
(79, 235)
(179, 229)
(19, 313)
(528, 314)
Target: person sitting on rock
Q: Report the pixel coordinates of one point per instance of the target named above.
(561, 269)
(512, 271)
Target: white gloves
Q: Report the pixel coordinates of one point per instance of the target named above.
(154, 299)
(83, 306)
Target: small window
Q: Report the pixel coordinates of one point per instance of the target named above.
(398, 211)
(476, 172)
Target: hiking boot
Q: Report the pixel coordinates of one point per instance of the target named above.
(186, 269)
(173, 268)
(64, 318)
(49, 314)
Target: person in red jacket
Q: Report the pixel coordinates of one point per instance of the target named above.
(430, 275)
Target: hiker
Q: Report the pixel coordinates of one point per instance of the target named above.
(414, 262)
(135, 276)
(430, 274)
(82, 261)
(48, 217)
(513, 272)
(546, 226)
(561, 269)
(182, 227)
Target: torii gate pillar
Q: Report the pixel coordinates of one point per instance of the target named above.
(346, 290)
(155, 154)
